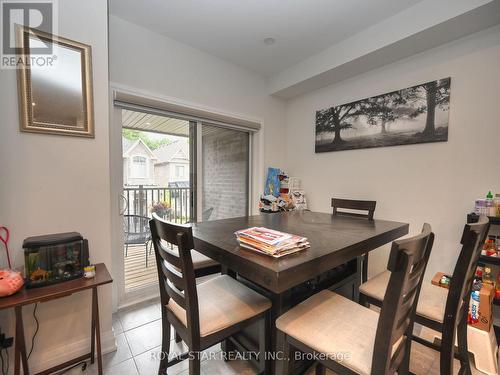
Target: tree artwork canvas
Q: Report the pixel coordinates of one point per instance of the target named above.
(417, 114)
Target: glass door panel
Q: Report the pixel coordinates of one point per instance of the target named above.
(225, 172)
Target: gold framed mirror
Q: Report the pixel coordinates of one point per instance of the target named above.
(55, 92)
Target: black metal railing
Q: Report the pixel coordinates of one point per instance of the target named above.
(176, 202)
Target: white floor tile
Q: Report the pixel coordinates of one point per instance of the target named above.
(144, 338)
(124, 368)
(138, 315)
(121, 354)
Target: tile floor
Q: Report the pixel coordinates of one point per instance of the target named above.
(138, 332)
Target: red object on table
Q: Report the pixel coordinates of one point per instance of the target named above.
(5, 240)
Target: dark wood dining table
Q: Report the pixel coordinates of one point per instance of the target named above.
(332, 261)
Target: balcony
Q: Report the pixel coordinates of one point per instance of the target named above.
(140, 267)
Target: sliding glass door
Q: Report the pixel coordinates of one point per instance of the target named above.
(225, 172)
(179, 167)
(156, 179)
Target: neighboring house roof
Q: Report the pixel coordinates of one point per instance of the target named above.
(128, 148)
(175, 150)
(126, 144)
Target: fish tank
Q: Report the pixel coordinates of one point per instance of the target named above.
(54, 258)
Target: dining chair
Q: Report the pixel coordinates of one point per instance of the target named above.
(351, 339)
(367, 209)
(204, 314)
(443, 310)
(203, 266)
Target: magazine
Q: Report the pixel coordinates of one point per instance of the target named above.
(271, 242)
(264, 235)
(276, 255)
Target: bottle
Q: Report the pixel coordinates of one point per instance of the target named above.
(479, 206)
(490, 247)
(490, 207)
(479, 273)
(497, 205)
(487, 278)
(497, 288)
(474, 303)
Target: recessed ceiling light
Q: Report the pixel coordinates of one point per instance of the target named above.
(269, 41)
(147, 124)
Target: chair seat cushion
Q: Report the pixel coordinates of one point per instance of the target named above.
(201, 261)
(331, 324)
(431, 302)
(223, 302)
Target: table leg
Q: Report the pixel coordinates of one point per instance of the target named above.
(279, 306)
(92, 332)
(226, 271)
(20, 346)
(359, 279)
(97, 328)
(226, 345)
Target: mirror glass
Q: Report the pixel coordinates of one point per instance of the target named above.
(57, 91)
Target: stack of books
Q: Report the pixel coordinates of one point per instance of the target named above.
(271, 242)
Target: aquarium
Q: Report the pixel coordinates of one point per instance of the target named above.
(54, 258)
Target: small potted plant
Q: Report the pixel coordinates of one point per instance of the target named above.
(160, 208)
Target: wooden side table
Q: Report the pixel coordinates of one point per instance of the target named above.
(63, 289)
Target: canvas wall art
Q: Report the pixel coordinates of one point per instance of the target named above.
(417, 114)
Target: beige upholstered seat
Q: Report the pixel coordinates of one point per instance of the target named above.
(333, 325)
(223, 302)
(431, 303)
(199, 260)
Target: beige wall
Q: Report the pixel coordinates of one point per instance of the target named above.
(52, 184)
(436, 182)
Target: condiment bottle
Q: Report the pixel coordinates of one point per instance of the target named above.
(497, 288)
(487, 278)
(490, 207)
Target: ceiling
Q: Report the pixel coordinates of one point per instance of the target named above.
(234, 30)
(154, 123)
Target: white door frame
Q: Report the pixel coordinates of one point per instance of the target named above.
(256, 183)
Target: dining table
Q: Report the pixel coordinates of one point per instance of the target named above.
(333, 260)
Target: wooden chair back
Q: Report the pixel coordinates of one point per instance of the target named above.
(175, 269)
(339, 206)
(357, 205)
(407, 264)
(457, 303)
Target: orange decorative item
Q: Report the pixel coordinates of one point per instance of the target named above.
(10, 282)
(497, 287)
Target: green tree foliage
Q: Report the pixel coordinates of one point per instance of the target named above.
(153, 144)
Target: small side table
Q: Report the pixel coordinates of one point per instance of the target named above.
(46, 293)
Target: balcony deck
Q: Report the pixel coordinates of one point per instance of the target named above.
(137, 275)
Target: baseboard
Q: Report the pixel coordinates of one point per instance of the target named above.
(66, 352)
(134, 298)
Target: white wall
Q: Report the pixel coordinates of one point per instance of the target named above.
(53, 184)
(149, 62)
(436, 182)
